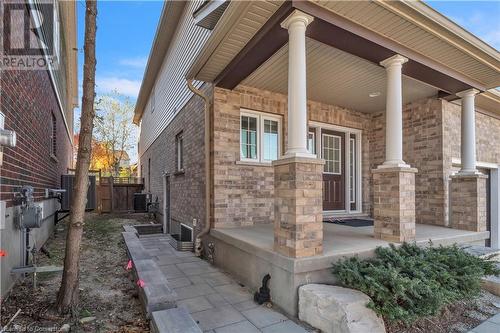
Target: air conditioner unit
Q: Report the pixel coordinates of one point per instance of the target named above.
(67, 183)
(141, 201)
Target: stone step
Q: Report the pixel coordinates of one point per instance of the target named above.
(176, 320)
(154, 292)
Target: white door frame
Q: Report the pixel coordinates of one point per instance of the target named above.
(318, 126)
(166, 196)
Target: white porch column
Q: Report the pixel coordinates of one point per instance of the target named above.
(296, 24)
(394, 113)
(468, 132)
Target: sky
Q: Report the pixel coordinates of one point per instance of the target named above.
(125, 31)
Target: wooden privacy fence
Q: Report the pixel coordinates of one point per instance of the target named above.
(116, 194)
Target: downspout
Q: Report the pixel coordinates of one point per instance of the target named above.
(206, 227)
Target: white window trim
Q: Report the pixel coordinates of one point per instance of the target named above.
(313, 132)
(261, 116)
(340, 152)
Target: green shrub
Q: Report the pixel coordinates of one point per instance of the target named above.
(409, 282)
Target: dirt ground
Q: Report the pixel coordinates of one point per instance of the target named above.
(456, 318)
(107, 291)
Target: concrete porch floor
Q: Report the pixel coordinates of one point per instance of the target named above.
(340, 240)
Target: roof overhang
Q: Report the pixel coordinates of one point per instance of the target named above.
(209, 13)
(226, 63)
(171, 14)
(68, 18)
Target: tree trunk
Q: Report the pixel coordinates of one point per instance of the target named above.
(67, 298)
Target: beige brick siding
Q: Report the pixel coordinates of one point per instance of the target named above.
(187, 189)
(422, 149)
(468, 202)
(487, 135)
(243, 194)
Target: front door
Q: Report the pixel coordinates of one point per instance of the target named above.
(332, 151)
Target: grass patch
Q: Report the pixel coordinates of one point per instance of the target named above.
(409, 282)
(101, 226)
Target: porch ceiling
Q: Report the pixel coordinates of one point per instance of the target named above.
(335, 77)
(441, 53)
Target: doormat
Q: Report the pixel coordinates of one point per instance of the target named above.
(350, 222)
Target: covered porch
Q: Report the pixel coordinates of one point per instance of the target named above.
(307, 53)
(248, 253)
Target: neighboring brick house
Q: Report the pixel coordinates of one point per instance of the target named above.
(295, 143)
(38, 105)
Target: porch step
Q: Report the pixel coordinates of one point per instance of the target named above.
(176, 320)
(347, 216)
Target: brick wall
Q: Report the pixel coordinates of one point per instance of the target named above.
(487, 142)
(28, 102)
(243, 193)
(187, 190)
(422, 149)
(487, 135)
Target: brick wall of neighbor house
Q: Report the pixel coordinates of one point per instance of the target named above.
(187, 190)
(422, 149)
(243, 193)
(28, 101)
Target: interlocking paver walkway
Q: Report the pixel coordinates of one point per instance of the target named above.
(213, 298)
(491, 325)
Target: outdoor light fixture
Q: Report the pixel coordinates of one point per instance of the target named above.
(374, 94)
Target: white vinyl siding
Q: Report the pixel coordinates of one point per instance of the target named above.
(171, 92)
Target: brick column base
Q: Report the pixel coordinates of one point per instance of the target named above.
(394, 204)
(298, 206)
(468, 202)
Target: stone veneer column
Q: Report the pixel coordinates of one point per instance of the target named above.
(468, 202)
(394, 204)
(298, 206)
(468, 186)
(394, 180)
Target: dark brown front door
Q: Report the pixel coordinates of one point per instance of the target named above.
(332, 151)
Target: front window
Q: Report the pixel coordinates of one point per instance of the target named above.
(53, 135)
(259, 137)
(249, 137)
(270, 140)
(179, 152)
(331, 153)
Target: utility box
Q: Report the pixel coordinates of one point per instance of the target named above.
(3, 212)
(67, 183)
